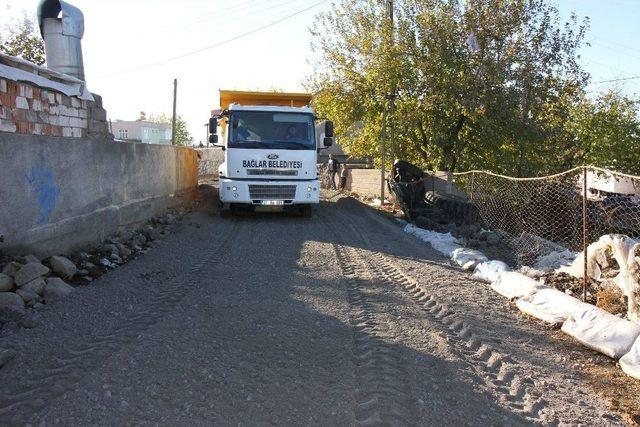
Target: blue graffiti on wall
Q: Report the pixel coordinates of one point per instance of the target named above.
(42, 181)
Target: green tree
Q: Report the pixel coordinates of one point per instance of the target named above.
(183, 137)
(607, 131)
(22, 39)
(476, 85)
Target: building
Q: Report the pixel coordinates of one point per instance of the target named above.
(142, 131)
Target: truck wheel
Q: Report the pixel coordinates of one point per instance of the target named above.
(227, 211)
(306, 211)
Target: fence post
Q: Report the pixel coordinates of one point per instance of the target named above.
(473, 177)
(585, 233)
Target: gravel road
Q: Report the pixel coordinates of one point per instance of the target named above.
(341, 319)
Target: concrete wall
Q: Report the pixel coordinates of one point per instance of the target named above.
(209, 160)
(366, 182)
(62, 193)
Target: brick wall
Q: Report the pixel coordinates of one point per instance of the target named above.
(28, 109)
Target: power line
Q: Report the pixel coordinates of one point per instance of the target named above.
(223, 42)
(622, 79)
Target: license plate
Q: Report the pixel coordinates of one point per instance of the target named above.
(272, 202)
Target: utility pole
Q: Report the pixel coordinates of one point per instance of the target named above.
(383, 158)
(173, 122)
(383, 174)
(206, 139)
(392, 96)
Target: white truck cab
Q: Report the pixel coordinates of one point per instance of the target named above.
(271, 155)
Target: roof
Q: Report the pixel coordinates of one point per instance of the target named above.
(228, 97)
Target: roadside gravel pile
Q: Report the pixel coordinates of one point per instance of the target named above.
(28, 282)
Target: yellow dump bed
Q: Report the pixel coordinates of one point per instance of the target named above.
(228, 97)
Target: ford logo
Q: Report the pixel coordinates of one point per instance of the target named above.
(273, 157)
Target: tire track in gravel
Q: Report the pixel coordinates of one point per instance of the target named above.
(383, 396)
(497, 370)
(66, 370)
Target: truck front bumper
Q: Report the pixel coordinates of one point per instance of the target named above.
(267, 192)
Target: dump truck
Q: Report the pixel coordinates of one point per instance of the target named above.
(271, 142)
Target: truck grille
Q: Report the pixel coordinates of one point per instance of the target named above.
(279, 172)
(272, 192)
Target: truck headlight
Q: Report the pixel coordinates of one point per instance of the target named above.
(309, 189)
(234, 188)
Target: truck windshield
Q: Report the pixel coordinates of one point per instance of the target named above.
(265, 129)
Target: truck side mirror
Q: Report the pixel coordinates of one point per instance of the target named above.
(213, 139)
(328, 142)
(213, 126)
(328, 129)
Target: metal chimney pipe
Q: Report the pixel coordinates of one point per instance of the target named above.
(62, 28)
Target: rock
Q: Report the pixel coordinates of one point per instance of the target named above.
(126, 235)
(29, 297)
(29, 272)
(28, 323)
(490, 237)
(6, 283)
(152, 233)
(31, 258)
(11, 269)
(83, 272)
(6, 356)
(63, 267)
(110, 249)
(36, 285)
(116, 259)
(171, 219)
(11, 306)
(125, 251)
(84, 256)
(56, 289)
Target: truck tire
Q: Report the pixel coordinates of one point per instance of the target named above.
(306, 211)
(227, 211)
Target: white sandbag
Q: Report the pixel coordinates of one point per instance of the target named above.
(468, 258)
(601, 331)
(576, 269)
(554, 260)
(549, 305)
(512, 284)
(489, 270)
(444, 243)
(630, 362)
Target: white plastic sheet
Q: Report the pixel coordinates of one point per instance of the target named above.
(488, 271)
(467, 258)
(549, 305)
(512, 284)
(630, 362)
(444, 243)
(601, 331)
(624, 250)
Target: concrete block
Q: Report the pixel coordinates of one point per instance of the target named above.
(75, 102)
(54, 110)
(36, 105)
(67, 131)
(58, 98)
(76, 132)
(54, 120)
(98, 114)
(51, 97)
(37, 129)
(32, 116)
(3, 86)
(5, 113)
(7, 126)
(64, 121)
(21, 102)
(83, 113)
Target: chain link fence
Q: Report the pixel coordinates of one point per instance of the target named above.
(538, 216)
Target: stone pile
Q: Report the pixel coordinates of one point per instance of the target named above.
(27, 282)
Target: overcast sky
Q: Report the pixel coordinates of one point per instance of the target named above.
(123, 36)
